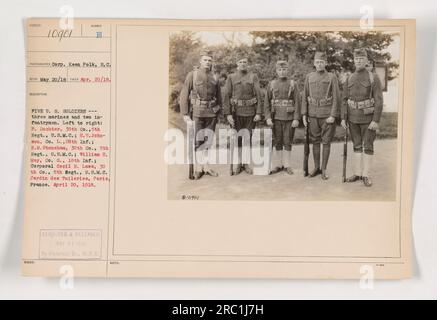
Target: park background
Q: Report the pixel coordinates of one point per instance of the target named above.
(264, 48)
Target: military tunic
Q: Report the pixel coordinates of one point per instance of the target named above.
(320, 100)
(282, 104)
(243, 98)
(242, 95)
(362, 104)
(201, 96)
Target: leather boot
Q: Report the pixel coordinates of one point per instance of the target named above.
(276, 162)
(316, 157)
(368, 159)
(247, 169)
(325, 158)
(286, 160)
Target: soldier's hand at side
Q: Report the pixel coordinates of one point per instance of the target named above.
(187, 118)
(257, 118)
(230, 120)
(269, 122)
(330, 120)
(344, 124)
(373, 125)
(295, 123)
(305, 121)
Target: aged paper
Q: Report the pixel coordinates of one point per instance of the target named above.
(104, 196)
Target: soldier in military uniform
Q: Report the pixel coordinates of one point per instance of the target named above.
(242, 104)
(361, 112)
(282, 106)
(200, 100)
(320, 107)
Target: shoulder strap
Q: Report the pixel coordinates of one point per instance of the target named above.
(272, 87)
(372, 80)
(252, 80)
(347, 81)
(290, 89)
(330, 75)
(194, 77)
(194, 81)
(371, 77)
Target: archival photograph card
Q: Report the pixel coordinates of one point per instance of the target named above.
(219, 148)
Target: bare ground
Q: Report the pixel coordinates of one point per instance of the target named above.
(282, 186)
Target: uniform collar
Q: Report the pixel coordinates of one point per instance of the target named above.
(204, 70)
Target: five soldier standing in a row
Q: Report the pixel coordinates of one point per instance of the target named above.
(360, 109)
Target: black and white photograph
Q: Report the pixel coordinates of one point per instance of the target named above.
(285, 115)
